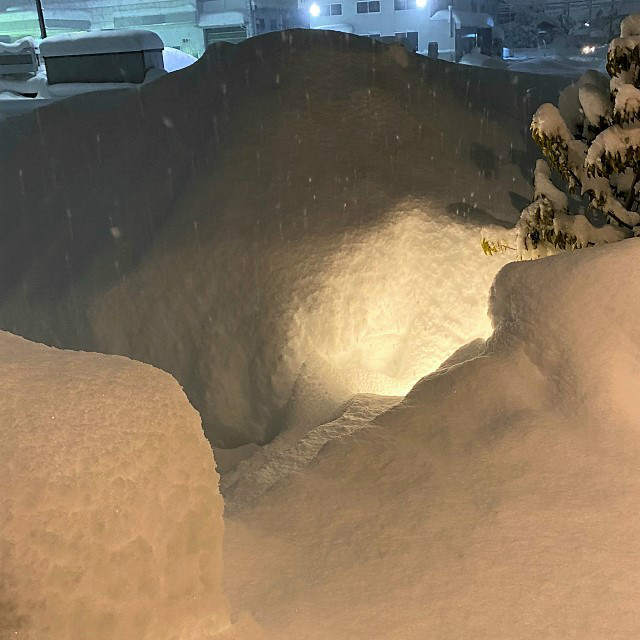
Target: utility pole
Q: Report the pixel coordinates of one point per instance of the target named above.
(43, 28)
(611, 19)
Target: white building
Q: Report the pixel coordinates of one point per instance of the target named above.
(456, 26)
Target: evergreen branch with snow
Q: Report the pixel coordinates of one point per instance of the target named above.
(592, 141)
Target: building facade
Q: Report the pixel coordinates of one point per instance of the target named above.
(456, 26)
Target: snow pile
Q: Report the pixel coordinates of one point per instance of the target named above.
(366, 312)
(630, 26)
(261, 235)
(110, 516)
(174, 59)
(497, 500)
(478, 59)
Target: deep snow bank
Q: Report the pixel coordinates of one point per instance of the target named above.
(284, 201)
(110, 517)
(498, 500)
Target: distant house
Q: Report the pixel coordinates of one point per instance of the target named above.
(457, 26)
(235, 20)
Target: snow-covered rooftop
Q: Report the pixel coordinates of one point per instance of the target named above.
(466, 18)
(95, 42)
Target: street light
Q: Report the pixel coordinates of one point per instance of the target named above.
(314, 10)
(43, 28)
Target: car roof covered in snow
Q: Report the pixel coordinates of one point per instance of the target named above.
(86, 43)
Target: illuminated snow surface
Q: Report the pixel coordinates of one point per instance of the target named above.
(301, 209)
(497, 500)
(283, 225)
(110, 516)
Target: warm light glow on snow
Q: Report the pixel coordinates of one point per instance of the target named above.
(388, 309)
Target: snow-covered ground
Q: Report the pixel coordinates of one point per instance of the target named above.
(292, 228)
(247, 237)
(558, 62)
(497, 500)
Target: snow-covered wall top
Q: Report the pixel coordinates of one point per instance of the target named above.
(303, 200)
(19, 46)
(110, 516)
(74, 44)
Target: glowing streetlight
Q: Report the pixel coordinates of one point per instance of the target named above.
(314, 10)
(421, 4)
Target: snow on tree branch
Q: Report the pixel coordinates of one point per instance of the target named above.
(592, 140)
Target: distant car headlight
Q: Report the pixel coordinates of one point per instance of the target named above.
(587, 49)
(314, 10)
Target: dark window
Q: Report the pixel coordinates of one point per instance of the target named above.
(374, 6)
(403, 5)
(474, 6)
(336, 9)
(362, 7)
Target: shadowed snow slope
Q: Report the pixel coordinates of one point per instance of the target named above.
(110, 516)
(499, 500)
(304, 198)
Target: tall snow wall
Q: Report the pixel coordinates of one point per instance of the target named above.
(198, 223)
(110, 516)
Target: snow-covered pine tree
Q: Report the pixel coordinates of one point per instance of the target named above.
(592, 139)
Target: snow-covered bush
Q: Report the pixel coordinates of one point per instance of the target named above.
(592, 139)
